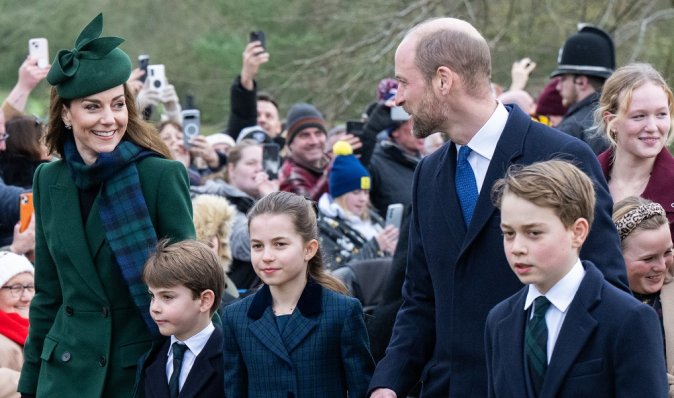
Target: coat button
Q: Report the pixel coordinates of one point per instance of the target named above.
(105, 311)
(101, 361)
(69, 311)
(65, 357)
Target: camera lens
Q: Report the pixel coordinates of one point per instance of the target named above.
(191, 130)
(157, 83)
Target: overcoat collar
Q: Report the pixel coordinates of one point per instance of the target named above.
(81, 245)
(508, 149)
(300, 324)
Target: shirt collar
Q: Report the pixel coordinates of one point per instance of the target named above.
(197, 342)
(484, 141)
(563, 292)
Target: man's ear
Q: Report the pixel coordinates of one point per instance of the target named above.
(444, 79)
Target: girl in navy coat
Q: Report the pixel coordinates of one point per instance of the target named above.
(299, 335)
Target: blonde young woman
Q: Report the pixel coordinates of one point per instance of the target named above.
(635, 111)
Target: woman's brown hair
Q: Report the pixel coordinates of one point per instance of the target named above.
(25, 137)
(138, 131)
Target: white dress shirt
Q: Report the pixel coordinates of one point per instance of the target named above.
(483, 144)
(194, 344)
(560, 296)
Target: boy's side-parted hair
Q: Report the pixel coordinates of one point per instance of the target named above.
(189, 263)
(556, 184)
(303, 215)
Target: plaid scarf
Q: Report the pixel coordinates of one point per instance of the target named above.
(123, 211)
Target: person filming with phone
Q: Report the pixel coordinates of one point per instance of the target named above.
(349, 228)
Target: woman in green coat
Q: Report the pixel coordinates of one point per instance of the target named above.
(99, 212)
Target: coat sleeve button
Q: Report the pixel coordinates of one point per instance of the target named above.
(69, 311)
(101, 361)
(65, 357)
(105, 311)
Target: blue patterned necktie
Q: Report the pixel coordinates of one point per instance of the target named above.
(466, 186)
(536, 343)
(174, 383)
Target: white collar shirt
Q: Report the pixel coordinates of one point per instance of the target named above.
(194, 344)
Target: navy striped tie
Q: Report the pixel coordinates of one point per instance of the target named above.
(536, 343)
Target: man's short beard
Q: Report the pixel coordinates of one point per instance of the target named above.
(430, 119)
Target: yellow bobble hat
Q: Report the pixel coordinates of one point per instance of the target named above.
(93, 66)
(347, 173)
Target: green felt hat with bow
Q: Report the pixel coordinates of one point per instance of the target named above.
(93, 66)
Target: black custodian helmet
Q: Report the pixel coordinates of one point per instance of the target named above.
(589, 52)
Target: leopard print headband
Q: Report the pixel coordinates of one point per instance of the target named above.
(633, 218)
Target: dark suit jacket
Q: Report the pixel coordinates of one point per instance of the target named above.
(84, 324)
(322, 352)
(454, 277)
(610, 345)
(206, 378)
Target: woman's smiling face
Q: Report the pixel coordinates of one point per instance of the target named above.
(98, 122)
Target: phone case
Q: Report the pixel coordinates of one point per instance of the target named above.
(26, 210)
(39, 48)
(271, 160)
(394, 214)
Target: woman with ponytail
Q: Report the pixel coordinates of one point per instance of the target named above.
(299, 334)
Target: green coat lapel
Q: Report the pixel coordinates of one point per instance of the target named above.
(65, 210)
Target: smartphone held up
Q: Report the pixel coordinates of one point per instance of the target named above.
(271, 160)
(38, 48)
(191, 125)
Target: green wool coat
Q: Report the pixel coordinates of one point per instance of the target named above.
(86, 334)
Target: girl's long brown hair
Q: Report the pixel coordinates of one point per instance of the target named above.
(303, 215)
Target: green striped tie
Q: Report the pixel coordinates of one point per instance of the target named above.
(536, 342)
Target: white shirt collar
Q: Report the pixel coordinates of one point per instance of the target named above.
(484, 141)
(563, 292)
(197, 342)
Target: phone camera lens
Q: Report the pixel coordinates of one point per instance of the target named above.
(157, 83)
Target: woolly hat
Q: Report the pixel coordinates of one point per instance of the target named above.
(347, 173)
(93, 66)
(220, 138)
(301, 116)
(549, 101)
(255, 133)
(11, 265)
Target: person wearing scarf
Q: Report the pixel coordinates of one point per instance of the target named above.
(100, 211)
(16, 292)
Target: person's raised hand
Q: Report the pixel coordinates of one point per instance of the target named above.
(199, 147)
(23, 242)
(519, 73)
(254, 55)
(133, 83)
(30, 75)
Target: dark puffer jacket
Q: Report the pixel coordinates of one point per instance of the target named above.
(391, 172)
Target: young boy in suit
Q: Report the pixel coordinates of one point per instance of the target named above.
(186, 283)
(568, 333)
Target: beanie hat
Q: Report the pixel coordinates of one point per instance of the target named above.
(93, 66)
(255, 133)
(302, 116)
(347, 173)
(220, 138)
(11, 265)
(549, 101)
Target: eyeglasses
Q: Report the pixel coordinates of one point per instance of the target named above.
(17, 290)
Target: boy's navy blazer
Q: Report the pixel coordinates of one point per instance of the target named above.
(455, 275)
(610, 345)
(322, 351)
(206, 378)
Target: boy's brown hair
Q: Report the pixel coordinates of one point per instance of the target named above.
(189, 263)
(555, 184)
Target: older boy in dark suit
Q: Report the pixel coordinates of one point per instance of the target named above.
(186, 283)
(568, 333)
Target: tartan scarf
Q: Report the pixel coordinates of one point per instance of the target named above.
(123, 211)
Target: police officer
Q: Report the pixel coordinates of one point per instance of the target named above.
(584, 63)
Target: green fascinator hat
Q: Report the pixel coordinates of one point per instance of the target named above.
(93, 66)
